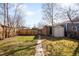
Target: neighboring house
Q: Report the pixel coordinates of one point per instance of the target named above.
(72, 30)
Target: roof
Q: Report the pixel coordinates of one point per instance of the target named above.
(75, 20)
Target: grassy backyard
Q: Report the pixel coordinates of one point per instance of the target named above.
(61, 47)
(18, 46)
(25, 46)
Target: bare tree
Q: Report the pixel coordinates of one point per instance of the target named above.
(4, 20)
(41, 24)
(9, 20)
(19, 21)
(68, 12)
(58, 11)
(48, 14)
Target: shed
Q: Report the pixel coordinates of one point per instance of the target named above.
(59, 31)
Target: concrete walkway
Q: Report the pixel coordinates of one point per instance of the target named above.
(39, 48)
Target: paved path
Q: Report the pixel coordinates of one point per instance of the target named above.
(39, 49)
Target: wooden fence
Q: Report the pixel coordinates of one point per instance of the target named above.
(27, 32)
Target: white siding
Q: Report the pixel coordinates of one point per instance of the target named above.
(59, 31)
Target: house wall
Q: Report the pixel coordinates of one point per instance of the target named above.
(70, 32)
(68, 26)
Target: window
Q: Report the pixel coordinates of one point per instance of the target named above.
(74, 28)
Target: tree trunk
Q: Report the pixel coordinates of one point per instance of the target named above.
(52, 22)
(52, 29)
(8, 21)
(4, 21)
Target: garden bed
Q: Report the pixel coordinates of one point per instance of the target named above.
(61, 47)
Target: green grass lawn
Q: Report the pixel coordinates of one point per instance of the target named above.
(18, 46)
(61, 47)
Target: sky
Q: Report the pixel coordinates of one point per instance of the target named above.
(33, 13)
